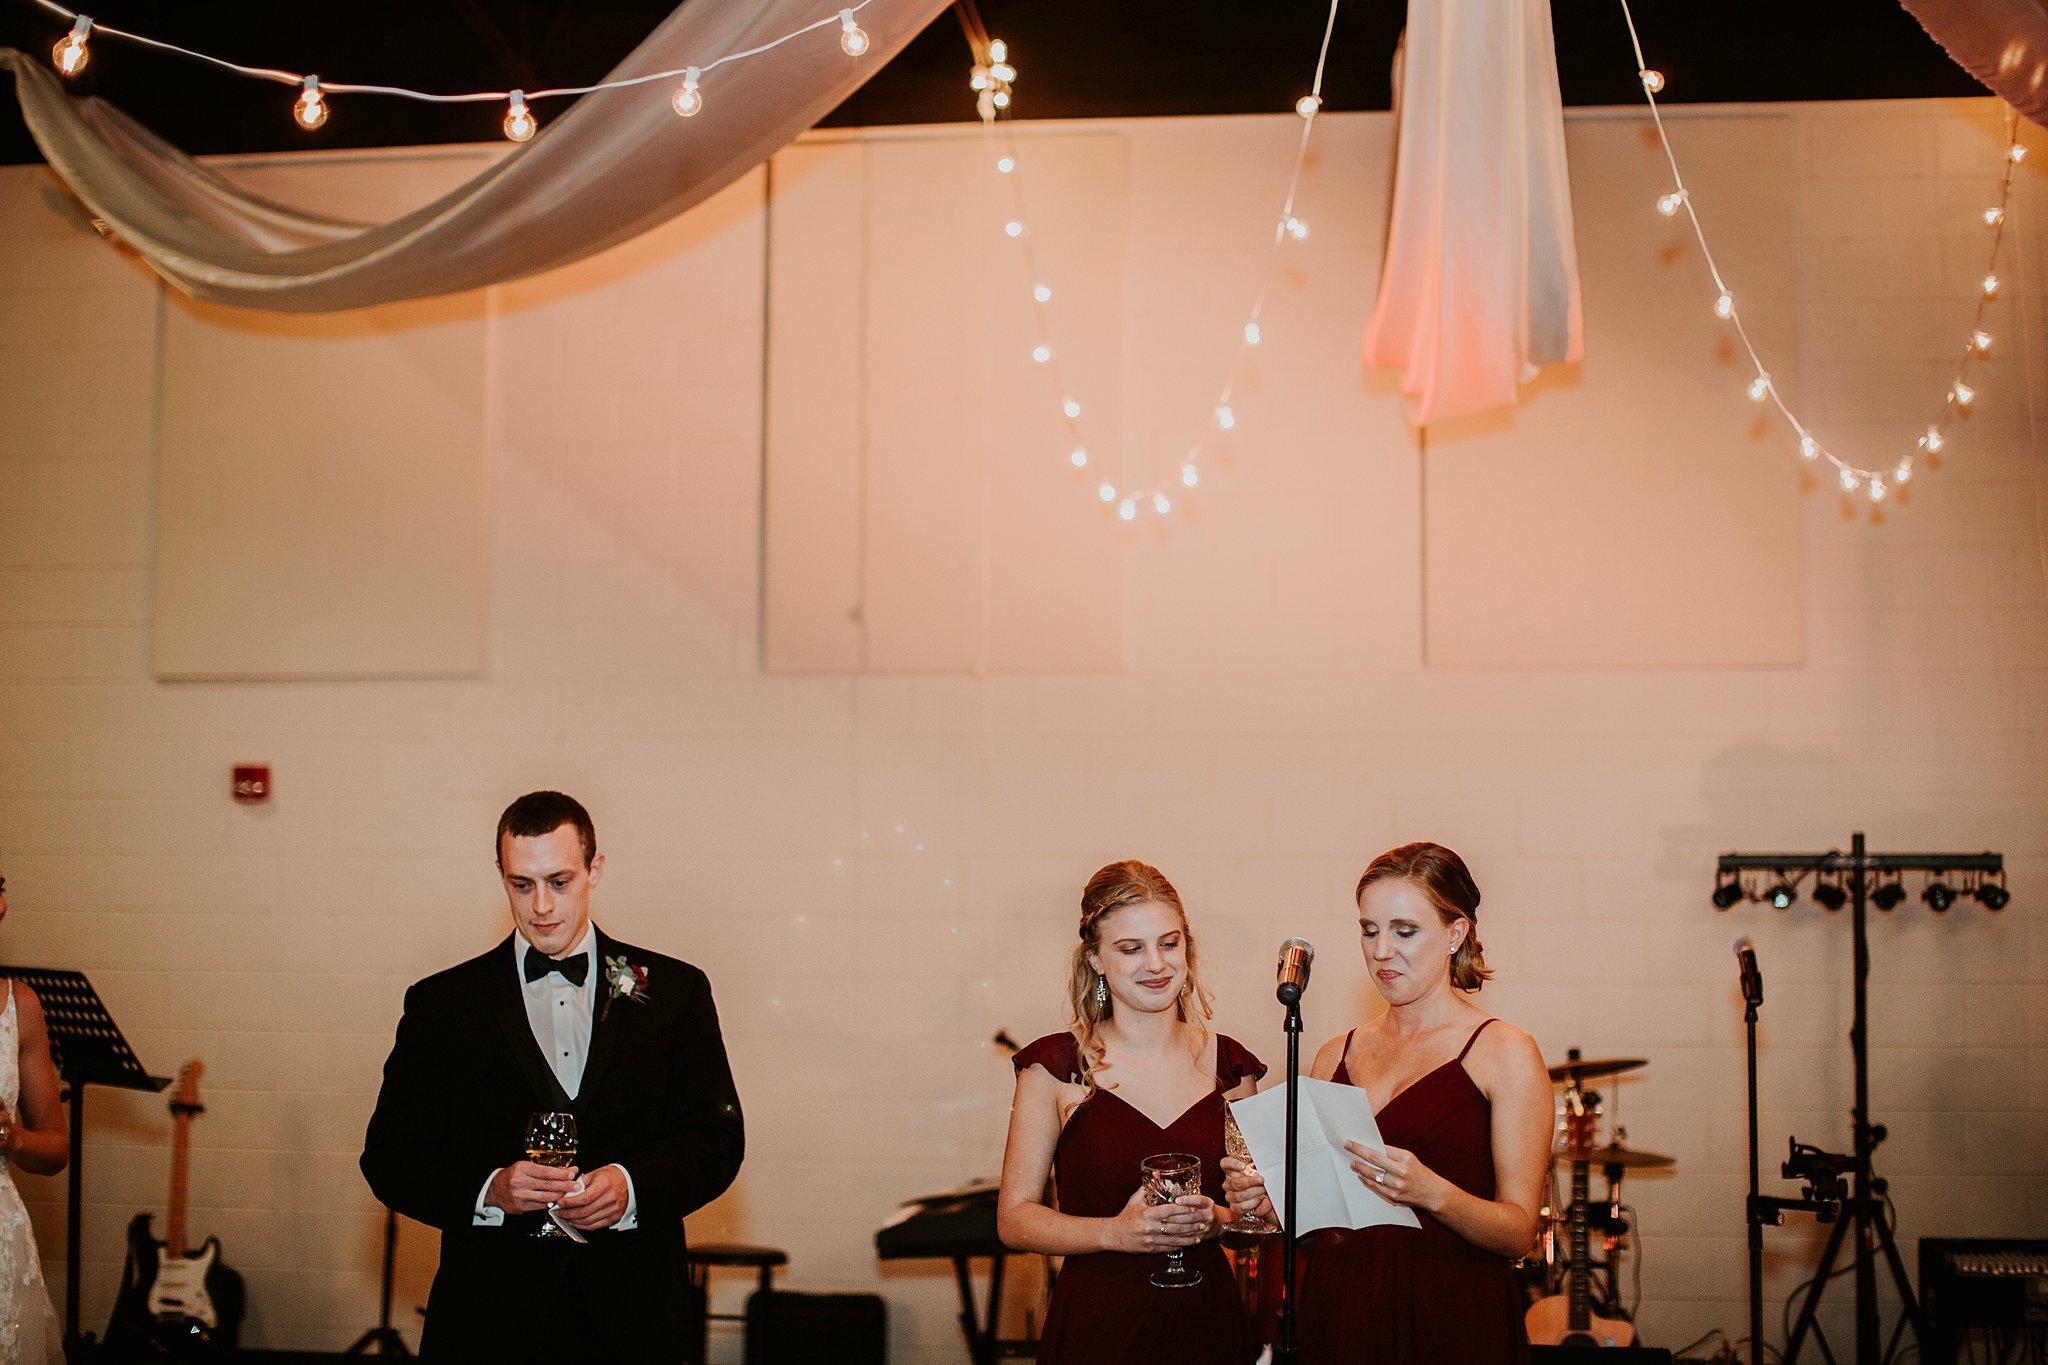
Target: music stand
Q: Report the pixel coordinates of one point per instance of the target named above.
(88, 1049)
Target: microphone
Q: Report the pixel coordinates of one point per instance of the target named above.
(1295, 956)
(1752, 979)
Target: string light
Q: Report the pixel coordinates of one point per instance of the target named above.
(70, 53)
(520, 124)
(310, 108)
(853, 39)
(689, 100)
(1041, 353)
(70, 56)
(992, 74)
(1876, 484)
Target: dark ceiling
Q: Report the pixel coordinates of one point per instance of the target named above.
(1075, 58)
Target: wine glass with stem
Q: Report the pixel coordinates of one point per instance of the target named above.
(1167, 1177)
(551, 1141)
(1234, 1145)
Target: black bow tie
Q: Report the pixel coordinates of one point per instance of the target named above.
(539, 964)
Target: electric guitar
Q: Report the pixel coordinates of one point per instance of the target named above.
(1567, 1319)
(174, 1301)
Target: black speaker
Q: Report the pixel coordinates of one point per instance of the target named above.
(1598, 1355)
(788, 1328)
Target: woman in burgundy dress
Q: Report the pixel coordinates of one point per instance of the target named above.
(1464, 1108)
(1136, 1074)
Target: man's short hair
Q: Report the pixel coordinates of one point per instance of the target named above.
(538, 813)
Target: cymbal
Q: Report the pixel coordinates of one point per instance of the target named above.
(1585, 1070)
(1614, 1154)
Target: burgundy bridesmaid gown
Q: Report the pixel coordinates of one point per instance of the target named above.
(1398, 1296)
(1104, 1306)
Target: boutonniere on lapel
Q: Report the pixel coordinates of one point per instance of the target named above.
(623, 981)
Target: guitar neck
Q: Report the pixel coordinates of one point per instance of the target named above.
(1580, 1300)
(174, 1220)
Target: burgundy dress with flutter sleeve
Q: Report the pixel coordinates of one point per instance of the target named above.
(1402, 1296)
(1104, 1306)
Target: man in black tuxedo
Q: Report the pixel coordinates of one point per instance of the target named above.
(559, 1017)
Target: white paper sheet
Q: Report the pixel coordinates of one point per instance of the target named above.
(1328, 1193)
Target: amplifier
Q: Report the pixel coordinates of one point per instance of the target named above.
(1980, 1284)
(1598, 1355)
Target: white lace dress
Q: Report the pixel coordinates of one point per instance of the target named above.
(29, 1330)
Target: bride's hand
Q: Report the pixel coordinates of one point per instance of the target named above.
(10, 1140)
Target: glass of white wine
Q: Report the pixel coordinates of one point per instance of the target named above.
(551, 1141)
(1167, 1178)
(1235, 1145)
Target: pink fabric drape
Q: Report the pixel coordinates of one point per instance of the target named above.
(1481, 282)
(607, 168)
(2003, 43)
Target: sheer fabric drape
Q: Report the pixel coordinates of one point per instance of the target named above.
(607, 168)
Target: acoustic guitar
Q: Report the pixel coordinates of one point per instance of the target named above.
(174, 1301)
(1567, 1319)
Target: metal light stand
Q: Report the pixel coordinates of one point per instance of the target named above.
(383, 1339)
(1284, 1354)
(1858, 863)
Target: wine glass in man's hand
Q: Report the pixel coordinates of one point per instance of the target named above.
(551, 1141)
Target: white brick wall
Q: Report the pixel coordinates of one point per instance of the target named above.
(879, 873)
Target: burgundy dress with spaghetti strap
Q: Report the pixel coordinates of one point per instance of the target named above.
(1398, 1296)
(1104, 1306)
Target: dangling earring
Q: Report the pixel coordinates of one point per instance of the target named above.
(1101, 989)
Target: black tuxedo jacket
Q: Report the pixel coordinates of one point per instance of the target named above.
(656, 1098)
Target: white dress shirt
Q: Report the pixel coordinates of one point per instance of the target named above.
(560, 1013)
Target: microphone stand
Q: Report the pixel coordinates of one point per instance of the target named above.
(1285, 1353)
(1752, 997)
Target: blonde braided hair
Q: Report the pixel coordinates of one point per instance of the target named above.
(1128, 882)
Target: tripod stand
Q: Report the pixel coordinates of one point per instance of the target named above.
(1864, 1208)
(383, 1339)
(1858, 1217)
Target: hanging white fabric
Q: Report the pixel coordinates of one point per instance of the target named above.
(605, 169)
(1480, 284)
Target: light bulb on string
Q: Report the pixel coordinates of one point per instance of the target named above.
(1000, 99)
(1904, 472)
(1042, 293)
(1669, 204)
(1161, 504)
(1809, 449)
(1252, 335)
(1759, 387)
(1962, 395)
(979, 80)
(1188, 477)
(1877, 488)
(70, 54)
(1991, 286)
(1993, 217)
(310, 108)
(1932, 441)
(1128, 510)
(1071, 408)
(1724, 306)
(520, 124)
(1307, 105)
(1013, 228)
(1002, 72)
(998, 50)
(1653, 81)
(1041, 353)
(1980, 341)
(853, 39)
(1848, 480)
(1006, 164)
(1079, 457)
(689, 100)
(2018, 154)
(1296, 229)
(1106, 491)
(1225, 418)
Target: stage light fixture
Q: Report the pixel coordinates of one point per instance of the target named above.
(1728, 892)
(1888, 896)
(1939, 895)
(1782, 893)
(1830, 895)
(1993, 895)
